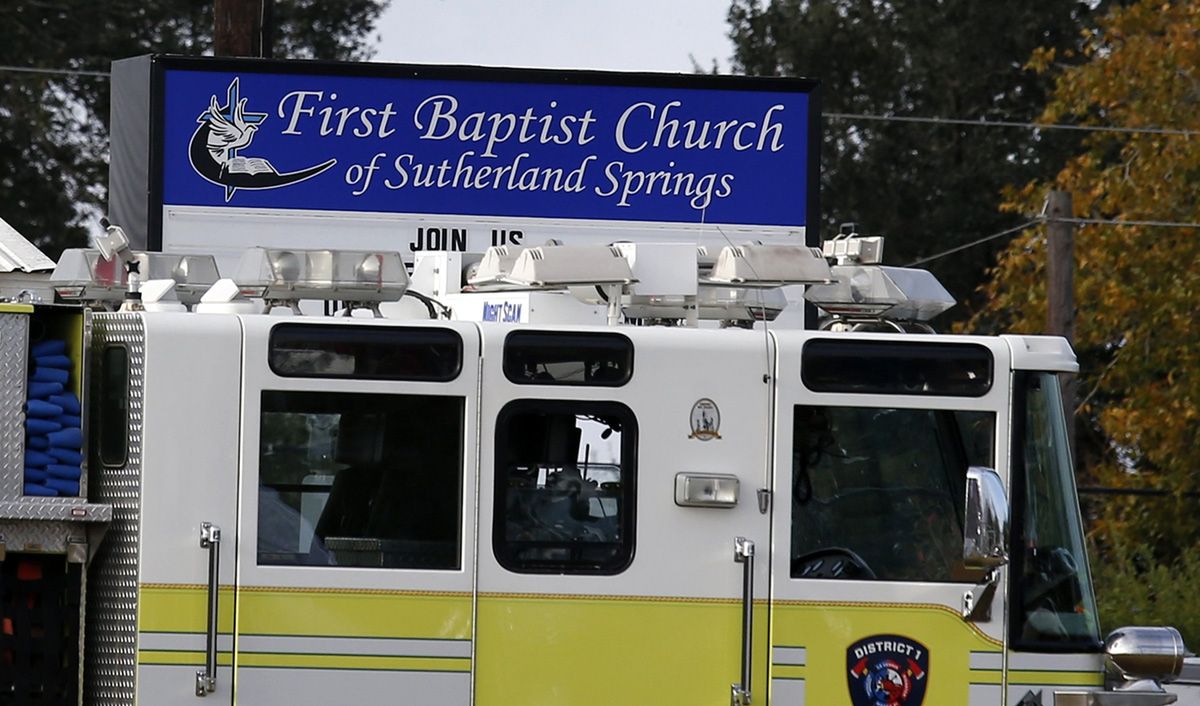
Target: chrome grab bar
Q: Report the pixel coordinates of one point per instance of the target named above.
(210, 539)
(743, 553)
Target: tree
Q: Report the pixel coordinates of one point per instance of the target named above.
(1136, 290)
(925, 187)
(54, 127)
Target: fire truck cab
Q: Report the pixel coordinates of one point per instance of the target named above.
(317, 509)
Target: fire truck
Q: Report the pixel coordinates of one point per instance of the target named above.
(555, 475)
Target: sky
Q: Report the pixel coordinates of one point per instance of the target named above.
(621, 35)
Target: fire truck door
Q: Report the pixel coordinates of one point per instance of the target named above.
(355, 568)
(618, 481)
(874, 439)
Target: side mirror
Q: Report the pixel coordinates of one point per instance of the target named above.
(1138, 653)
(985, 520)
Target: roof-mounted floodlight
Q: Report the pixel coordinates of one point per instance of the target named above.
(497, 263)
(754, 265)
(86, 276)
(851, 248)
(876, 293)
(113, 242)
(548, 267)
(360, 279)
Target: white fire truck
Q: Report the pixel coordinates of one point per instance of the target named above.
(554, 476)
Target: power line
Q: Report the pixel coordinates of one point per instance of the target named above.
(973, 243)
(1009, 124)
(1117, 222)
(929, 120)
(1123, 222)
(53, 72)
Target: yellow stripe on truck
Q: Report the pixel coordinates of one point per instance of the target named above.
(1055, 678)
(354, 613)
(181, 608)
(194, 658)
(550, 650)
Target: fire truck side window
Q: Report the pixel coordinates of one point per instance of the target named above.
(367, 480)
(565, 476)
(365, 352)
(1052, 602)
(549, 358)
(877, 493)
(897, 367)
(112, 406)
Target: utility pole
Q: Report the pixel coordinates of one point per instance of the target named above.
(1060, 287)
(243, 27)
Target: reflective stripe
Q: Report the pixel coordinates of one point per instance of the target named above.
(181, 641)
(987, 660)
(254, 660)
(797, 656)
(383, 647)
(1064, 662)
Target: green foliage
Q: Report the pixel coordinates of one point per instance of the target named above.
(1136, 290)
(1133, 587)
(54, 128)
(926, 187)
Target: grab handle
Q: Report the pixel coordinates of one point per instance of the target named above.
(743, 553)
(210, 539)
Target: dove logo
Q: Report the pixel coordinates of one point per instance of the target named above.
(226, 130)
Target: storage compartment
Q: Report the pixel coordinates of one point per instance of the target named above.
(39, 629)
(54, 461)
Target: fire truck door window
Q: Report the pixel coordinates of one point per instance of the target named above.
(548, 358)
(1053, 605)
(360, 480)
(565, 487)
(877, 493)
(365, 352)
(112, 406)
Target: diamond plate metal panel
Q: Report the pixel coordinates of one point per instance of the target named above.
(112, 590)
(14, 366)
(64, 509)
(41, 537)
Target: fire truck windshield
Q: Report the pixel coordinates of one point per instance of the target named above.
(1052, 603)
(877, 492)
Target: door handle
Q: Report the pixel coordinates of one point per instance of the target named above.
(210, 539)
(743, 553)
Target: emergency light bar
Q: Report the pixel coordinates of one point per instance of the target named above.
(85, 275)
(361, 279)
(881, 292)
(741, 303)
(754, 265)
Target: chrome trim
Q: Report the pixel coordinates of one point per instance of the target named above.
(985, 536)
(1137, 653)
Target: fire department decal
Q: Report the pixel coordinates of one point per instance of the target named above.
(887, 670)
(223, 132)
(706, 420)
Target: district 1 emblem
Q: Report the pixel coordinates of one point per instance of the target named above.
(706, 420)
(887, 670)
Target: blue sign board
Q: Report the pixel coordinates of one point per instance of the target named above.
(374, 138)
